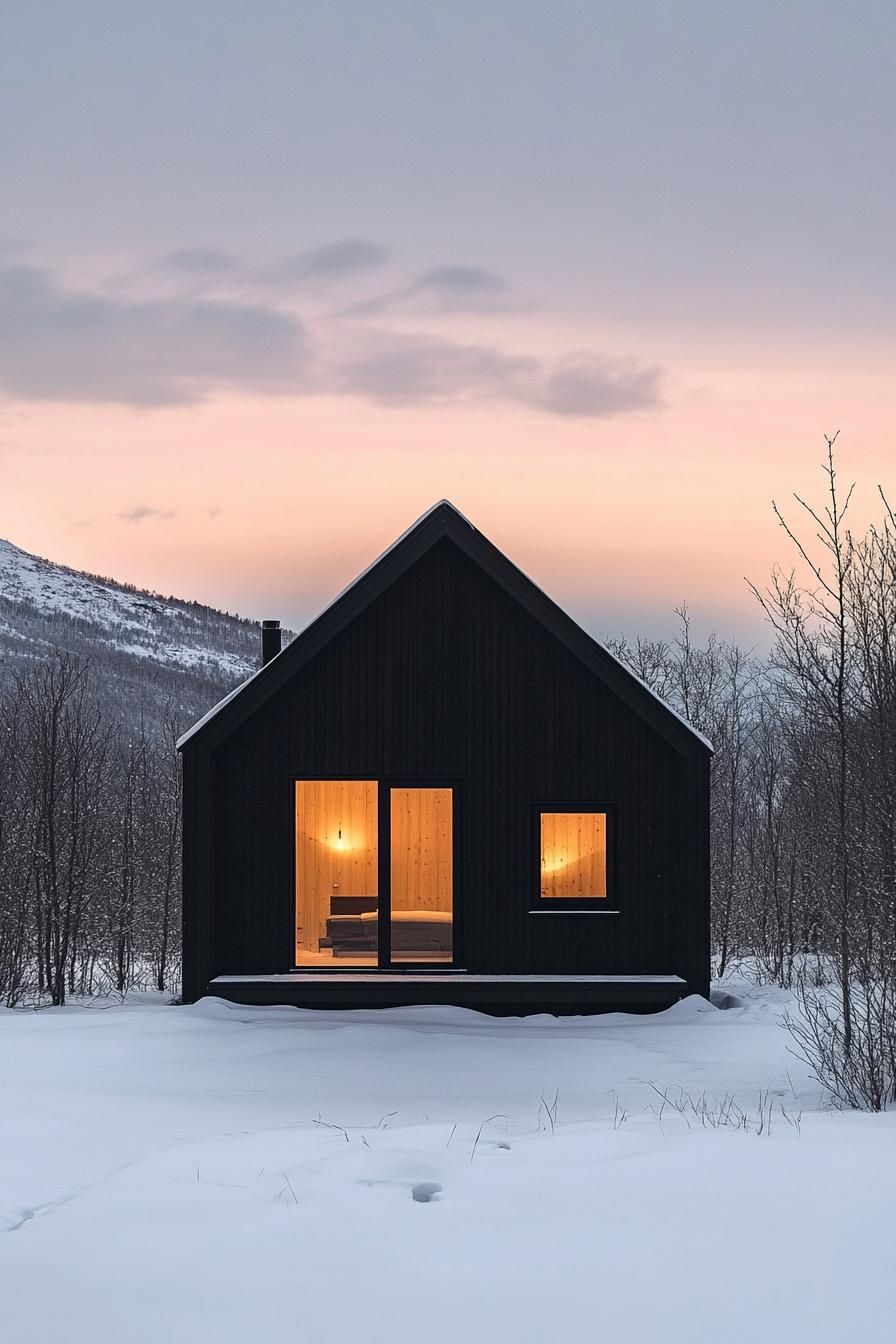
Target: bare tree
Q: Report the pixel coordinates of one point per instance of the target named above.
(69, 749)
(833, 669)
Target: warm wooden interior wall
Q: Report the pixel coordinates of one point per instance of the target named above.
(336, 849)
(573, 854)
(421, 849)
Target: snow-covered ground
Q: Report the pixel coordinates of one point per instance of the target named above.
(221, 1173)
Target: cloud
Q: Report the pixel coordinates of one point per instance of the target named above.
(466, 282)
(349, 254)
(62, 344)
(345, 257)
(443, 289)
(207, 261)
(76, 345)
(419, 369)
(333, 261)
(597, 385)
(142, 512)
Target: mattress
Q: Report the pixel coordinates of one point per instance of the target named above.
(412, 916)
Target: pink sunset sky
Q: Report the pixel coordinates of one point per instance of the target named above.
(275, 278)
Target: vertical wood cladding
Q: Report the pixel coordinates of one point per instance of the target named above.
(336, 850)
(421, 850)
(446, 677)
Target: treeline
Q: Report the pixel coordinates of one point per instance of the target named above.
(804, 787)
(803, 805)
(179, 660)
(89, 840)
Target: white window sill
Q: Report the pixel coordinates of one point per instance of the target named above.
(568, 911)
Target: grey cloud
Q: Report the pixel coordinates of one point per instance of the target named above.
(464, 281)
(330, 262)
(202, 261)
(403, 370)
(419, 369)
(587, 385)
(348, 256)
(142, 512)
(71, 345)
(443, 288)
(88, 346)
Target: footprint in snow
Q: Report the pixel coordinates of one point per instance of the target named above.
(425, 1191)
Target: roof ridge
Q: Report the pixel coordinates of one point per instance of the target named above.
(493, 561)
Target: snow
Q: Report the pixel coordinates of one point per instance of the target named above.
(230, 664)
(54, 588)
(430, 1174)
(131, 621)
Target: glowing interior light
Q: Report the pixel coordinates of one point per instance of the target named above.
(561, 862)
(574, 855)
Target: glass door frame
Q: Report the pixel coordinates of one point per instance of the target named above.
(385, 784)
(384, 874)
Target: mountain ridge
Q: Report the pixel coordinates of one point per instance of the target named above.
(161, 656)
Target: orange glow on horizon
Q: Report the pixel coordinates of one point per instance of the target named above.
(270, 506)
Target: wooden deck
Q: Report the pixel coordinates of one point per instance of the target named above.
(501, 995)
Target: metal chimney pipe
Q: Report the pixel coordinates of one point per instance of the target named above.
(271, 641)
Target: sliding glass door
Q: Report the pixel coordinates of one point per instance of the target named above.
(421, 845)
(337, 887)
(374, 874)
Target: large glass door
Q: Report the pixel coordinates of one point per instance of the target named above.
(337, 896)
(374, 874)
(421, 886)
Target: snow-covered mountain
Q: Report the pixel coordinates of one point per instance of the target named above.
(147, 652)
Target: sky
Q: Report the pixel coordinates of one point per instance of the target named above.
(276, 276)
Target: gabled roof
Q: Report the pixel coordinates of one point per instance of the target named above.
(442, 520)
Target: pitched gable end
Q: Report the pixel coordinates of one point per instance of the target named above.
(440, 521)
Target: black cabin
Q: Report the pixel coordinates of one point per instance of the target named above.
(444, 791)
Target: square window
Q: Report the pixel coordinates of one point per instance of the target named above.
(573, 855)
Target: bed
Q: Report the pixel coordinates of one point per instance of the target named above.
(419, 931)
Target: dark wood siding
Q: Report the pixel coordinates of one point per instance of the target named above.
(191, 984)
(446, 676)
